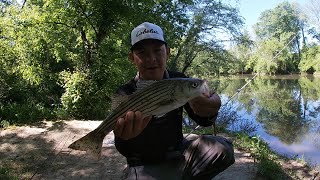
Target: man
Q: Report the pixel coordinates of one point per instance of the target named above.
(155, 147)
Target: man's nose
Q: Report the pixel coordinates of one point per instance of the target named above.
(150, 57)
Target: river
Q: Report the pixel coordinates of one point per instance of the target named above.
(283, 110)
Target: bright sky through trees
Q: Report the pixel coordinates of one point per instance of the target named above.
(251, 9)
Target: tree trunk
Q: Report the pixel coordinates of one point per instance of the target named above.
(174, 64)
(298, 47)
(303, 37)
(87, 48)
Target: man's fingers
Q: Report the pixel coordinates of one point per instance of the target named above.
(132, 125)
(138, 123)
(138, 115)
(206, 106)
(215, 101)
(207, 111)
(119, 127)
(128, 125)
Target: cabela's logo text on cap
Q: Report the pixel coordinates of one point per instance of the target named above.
(146, 30)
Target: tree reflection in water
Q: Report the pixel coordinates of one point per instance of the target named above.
(285, 107)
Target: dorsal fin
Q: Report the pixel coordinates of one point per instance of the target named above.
(141, 84)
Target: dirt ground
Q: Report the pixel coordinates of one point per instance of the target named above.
(40, 152)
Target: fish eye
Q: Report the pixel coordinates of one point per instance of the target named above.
(194, 85)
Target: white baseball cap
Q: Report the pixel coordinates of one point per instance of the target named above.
(146, 30)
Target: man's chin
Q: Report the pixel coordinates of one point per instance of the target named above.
(154, 74)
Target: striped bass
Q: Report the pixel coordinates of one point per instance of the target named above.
(154, 98)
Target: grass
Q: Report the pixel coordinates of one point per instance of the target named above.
(6, 173)
(4, 124)
(267, 160)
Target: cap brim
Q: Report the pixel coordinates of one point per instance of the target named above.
(138, 44)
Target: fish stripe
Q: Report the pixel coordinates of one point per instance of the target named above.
(133, 104)
(154, 96)
(146, 109)
(111, 122)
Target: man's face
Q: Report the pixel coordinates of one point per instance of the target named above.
(150, 57)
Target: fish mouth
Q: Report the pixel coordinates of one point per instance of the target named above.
(204, 89)
(205, 94)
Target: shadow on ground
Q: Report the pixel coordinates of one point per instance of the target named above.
(41, 153)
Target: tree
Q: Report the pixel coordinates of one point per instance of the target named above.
(242, 52)
(274, 22)
(208, 18)
(310, 61)
(73, 54)
(313, 9)
(279, 28)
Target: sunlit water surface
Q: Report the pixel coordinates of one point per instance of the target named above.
(285, 111)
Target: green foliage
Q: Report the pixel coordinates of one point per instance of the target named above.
(5, 173)
(310, 60)
(200, 45)
(209, 64)
(272, 56)
(65, 59)
(268, 167)
(266, 62)
(310, 88)
(278, 31)
(242, 53)
(22, 102)
(82, 97)
(4, 124)
(273, 23)
(280, 103)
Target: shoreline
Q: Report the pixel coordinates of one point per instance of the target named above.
(40, 151)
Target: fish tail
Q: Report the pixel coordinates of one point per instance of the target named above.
(91, 143)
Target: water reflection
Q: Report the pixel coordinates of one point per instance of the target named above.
(283, 110)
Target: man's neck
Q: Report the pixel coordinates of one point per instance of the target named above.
(165, 76)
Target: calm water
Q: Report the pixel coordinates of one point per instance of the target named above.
(282, 110)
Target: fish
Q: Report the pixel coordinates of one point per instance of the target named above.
(151, 98)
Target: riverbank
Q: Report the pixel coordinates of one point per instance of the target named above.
(40, 151)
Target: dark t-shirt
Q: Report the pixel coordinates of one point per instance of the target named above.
(162, 135)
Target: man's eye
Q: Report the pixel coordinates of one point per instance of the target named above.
(140, 52)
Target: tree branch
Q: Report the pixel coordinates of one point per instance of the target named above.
(84, 14)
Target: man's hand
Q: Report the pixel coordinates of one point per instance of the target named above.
(205, 106)
(131, 125)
